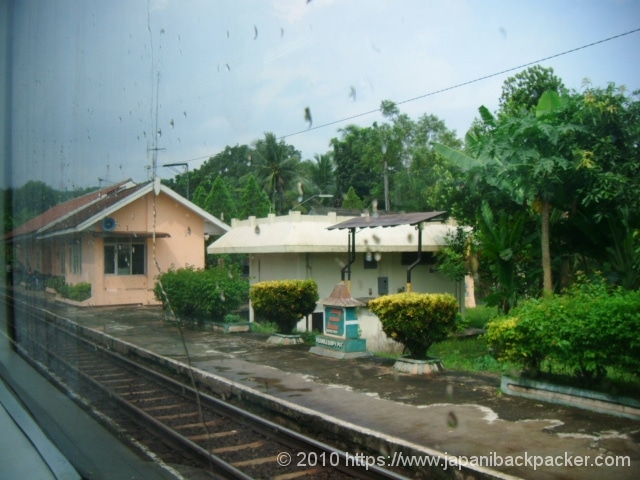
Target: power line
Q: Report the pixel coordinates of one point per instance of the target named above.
(453, 87)
(469, 82)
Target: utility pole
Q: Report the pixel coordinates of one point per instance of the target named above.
(385, 176)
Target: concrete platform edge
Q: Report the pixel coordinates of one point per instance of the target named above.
(370, 439)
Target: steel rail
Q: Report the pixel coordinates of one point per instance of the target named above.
(260, 425)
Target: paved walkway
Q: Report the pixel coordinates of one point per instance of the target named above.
(455, 413)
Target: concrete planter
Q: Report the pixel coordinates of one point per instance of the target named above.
(280, 339)
(571, 396)
(418, 367)
(236, 327)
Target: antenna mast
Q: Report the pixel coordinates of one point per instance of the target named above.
(154, 149)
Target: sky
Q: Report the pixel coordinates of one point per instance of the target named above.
(92, 81)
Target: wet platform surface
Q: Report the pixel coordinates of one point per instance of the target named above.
(457, 413)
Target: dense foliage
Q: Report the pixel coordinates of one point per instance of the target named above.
(284, 302)
(585, 331)
(549, 184)
(561, 168)
(417, 320)
(202, 293)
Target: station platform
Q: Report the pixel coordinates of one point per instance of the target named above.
(455, 415)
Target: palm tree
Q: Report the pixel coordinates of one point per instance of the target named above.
(277, 166)
(323, 173)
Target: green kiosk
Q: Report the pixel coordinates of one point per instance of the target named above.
(341, 338)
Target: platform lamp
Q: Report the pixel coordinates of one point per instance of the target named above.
(320, 195)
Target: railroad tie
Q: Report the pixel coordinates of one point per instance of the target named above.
(303, 473)
(235, 448)
(210, 423)
(206, 436)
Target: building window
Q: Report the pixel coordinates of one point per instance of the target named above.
(427, 258)
(124, 257)
(76, 258)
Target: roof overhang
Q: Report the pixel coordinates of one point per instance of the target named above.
(131, 234)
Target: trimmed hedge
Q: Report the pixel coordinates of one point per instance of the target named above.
(203, 293)
(417, 320)
(284, 302)
(587, 330)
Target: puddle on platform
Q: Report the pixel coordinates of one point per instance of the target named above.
(276, 384)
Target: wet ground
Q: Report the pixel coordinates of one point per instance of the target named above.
(456, 412)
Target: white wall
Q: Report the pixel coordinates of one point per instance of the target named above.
(324, 268)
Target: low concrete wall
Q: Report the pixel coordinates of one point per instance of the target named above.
(570, 396)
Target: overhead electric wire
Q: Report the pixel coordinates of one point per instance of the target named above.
(524, 65)
(453, 87)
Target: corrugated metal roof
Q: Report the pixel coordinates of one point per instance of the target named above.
(393, 220)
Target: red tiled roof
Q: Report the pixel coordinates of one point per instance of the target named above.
(62, 210)
(92, 209)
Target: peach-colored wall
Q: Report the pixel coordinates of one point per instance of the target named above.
(185, 246)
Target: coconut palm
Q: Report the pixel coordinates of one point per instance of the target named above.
(277, 167)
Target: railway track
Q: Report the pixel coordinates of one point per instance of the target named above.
(182, 425)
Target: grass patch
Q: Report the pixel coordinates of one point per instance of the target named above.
(309, 337)
(264, 327)
(478, 317)
(468, 354)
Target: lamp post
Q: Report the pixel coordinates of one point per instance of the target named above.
(186, 165)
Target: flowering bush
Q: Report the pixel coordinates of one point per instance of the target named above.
(417, 320)
(284, 302)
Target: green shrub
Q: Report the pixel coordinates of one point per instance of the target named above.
(211, 293)
(585, 331)
(284, 302)
(417, 320)
(78, 292)
(55, 283)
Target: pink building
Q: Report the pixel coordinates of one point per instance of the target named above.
(118, 239)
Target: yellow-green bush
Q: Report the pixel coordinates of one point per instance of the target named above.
(417, 320)
(284, 302)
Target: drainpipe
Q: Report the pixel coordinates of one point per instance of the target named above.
(417, 262)
(352, 258)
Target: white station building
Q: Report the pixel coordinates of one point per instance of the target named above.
(381, 250)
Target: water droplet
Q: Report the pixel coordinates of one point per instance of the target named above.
(452, 420)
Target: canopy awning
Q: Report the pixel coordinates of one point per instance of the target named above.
(394, 220)
(388, 220)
